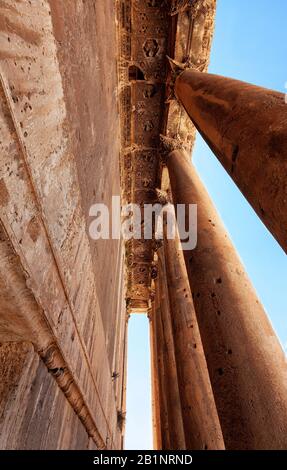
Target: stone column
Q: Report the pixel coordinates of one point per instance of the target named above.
(246, 127)
(161, 368)
(246, 363)
(157, 444)
(201, 423)
(175, 412)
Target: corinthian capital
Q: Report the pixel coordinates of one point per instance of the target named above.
(176, 69)
(169, 144)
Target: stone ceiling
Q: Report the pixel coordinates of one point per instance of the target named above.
(149, 31)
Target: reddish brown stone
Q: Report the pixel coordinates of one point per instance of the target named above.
(246, 127)
(246, 363)
(200, 418)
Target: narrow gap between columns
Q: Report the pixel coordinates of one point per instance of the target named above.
(139, 408)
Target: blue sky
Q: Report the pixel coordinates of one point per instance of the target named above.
(250, 44)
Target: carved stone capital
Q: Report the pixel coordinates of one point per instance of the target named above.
(176, 69)
(168, 145)
(162, 197)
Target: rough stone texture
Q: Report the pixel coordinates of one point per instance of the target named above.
(143, 37)
(194, 35)
(148, 31)
(34, 412)
(200, 418)
(178, 438)
(45, 189)
(246, 363)
(245, 126)
(85, 34)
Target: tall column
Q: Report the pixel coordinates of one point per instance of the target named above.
(201, 423)
(162, 373)
(246, 127)
(175, 413)
(246, 363)
(157, 443)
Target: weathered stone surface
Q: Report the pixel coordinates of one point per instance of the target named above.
(85, 34)
(247, 366)
(148, 32)
(34, 412)
(245, 126)
(202, 428)
(45, 246)
(178, 438)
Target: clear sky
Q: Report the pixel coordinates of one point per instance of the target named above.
(250, 44)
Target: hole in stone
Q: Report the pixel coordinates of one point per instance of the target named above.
(135, 73)
(220, 371)
(229, 351)
(213, 295)
(218, 312)
(262, 210)
(219, 280)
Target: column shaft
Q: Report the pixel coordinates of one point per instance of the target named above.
(175, 416)
(202, 427)
(162, 373)
(246, 127)
(246, 363)
(157, 443)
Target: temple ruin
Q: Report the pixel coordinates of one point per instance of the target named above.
(100, 99)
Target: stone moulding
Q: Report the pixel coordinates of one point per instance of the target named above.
(21, 319)
(57, 366)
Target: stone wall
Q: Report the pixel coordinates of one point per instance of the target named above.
(62, 294)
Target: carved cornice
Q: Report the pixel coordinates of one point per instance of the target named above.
(144, 36)
(178, 6)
